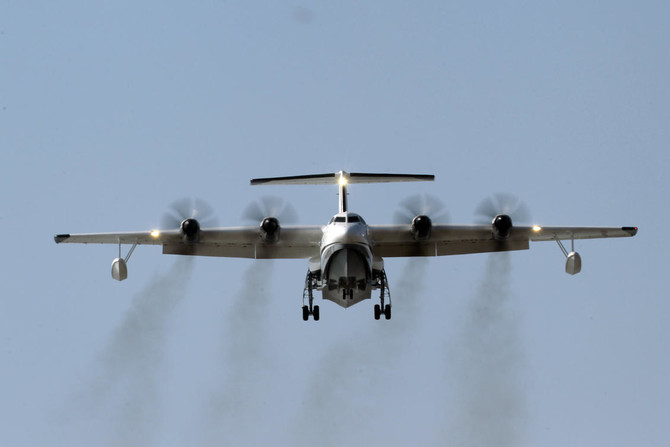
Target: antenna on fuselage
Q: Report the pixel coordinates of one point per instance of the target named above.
(342, 179)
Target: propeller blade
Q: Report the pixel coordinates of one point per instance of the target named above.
(421, 204)
(270, 206)
(253, 212)
(502, 203)
(187, 208)
(487, 209)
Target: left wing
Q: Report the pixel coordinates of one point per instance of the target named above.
(397, 240)
(296, 242)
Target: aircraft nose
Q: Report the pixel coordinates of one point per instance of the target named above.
(355, 232)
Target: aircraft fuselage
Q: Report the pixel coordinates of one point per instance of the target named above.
(347, 271)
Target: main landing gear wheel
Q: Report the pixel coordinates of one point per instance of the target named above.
(308, 294)
(386, 312)
(306, 313)
(382, 308)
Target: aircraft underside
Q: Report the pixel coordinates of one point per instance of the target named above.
(347, 279)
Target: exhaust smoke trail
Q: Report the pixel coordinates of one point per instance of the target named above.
(232, 412)
(358, 367)
(488, 365)
(133, 359)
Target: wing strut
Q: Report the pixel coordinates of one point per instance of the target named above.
(130, 252)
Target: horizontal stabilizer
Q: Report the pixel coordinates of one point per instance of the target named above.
(337, 177)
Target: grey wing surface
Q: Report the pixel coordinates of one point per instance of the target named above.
(296, 242)
(397, 240)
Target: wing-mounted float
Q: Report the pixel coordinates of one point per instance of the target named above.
(346, 256)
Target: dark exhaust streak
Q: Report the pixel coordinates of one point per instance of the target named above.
(131, 364)
(488, 365)
(231, 415)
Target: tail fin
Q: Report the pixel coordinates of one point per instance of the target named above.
(342, 179)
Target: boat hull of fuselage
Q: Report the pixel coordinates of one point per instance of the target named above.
(347, 275)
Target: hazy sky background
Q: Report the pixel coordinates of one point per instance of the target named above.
(110, 111)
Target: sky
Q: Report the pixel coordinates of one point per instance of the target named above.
(111, 111)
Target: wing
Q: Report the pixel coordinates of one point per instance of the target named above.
(397, 240)
(296, 242)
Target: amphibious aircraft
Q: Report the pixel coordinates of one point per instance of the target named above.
(346, 256)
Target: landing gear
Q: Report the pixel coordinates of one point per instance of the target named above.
(308, 292)
(386, 312)
(306, 312)
(384, 291)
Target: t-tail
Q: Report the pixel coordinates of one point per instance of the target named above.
(342, 179)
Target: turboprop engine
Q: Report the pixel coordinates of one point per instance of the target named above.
(270, 229)
(420, 227)
(190, 230)
(502, 227)
(499, 210)
(268, 210)
(414, 210)
(189, 215)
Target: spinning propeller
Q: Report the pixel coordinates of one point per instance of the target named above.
(415, 210)
(499, 211)
(420, 204)
(270, 206)
(269, 210)
(189, 215)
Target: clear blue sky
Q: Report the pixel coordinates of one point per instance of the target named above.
(109, 111)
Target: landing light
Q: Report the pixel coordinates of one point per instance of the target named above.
(343, 181)
(155, 233)
(537, 228)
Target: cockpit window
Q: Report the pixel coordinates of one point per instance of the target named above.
(351, 218)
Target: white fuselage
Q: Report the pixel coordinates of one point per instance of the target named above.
(348, 269)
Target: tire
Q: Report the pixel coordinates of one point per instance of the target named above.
(378, 311)
(387, 311)
(315, 313)
(305, 313)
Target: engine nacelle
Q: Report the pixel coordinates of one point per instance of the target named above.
(502, 227)
(270, 229)
(190, 230)
(119, 269)
(420, 228)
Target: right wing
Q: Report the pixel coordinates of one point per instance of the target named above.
(397, 240)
